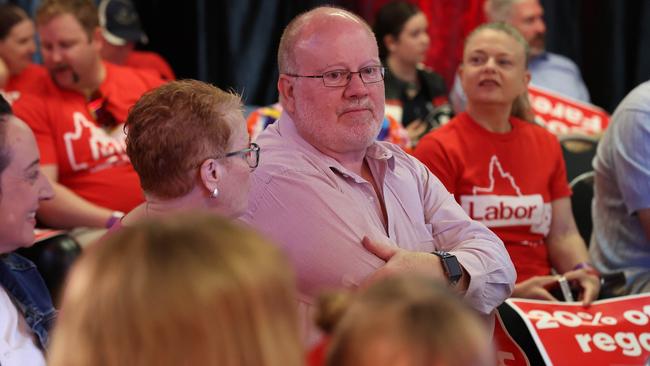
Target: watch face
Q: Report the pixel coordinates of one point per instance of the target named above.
(451, 266)
(454, 270)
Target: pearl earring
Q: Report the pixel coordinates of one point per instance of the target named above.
(215, 192)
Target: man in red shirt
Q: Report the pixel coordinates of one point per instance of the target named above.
(121, 31)
(78, 122)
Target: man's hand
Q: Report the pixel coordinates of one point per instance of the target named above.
(536, 288)
(403, 261)
(589, 284)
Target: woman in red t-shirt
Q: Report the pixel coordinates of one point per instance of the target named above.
(509, 173)
(17, 47)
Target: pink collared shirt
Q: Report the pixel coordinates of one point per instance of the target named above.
(318, 212)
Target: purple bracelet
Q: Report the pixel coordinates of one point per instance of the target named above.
(115, 217)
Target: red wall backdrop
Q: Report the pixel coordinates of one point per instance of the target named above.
(450, 21)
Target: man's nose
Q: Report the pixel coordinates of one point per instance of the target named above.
(356, 87)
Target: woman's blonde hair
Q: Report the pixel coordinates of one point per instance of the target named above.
(521, 107)
(184, 290)
(411, 317)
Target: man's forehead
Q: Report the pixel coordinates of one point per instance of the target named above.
(525, 8)
(64, 21)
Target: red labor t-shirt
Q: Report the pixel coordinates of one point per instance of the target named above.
(506, 181)
(31, 80)
(90, 157)
(152, 61)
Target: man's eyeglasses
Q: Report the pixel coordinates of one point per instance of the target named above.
(338, 78)
(250, 154)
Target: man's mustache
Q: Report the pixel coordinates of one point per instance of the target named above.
(64, 67)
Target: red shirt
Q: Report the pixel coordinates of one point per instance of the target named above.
(91, 159)
(31, 80)
(506, 181)
(150, 60)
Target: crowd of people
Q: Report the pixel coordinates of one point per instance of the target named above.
(202, 246)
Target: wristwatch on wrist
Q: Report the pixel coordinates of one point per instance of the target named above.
(450, 264)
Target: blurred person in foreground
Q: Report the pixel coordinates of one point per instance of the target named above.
(190, 289)
(409, 321)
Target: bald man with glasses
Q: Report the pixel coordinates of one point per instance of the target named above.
(348, 209)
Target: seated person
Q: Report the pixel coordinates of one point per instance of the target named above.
(621, 206)
(18, 74)
(26, 310)
(548, 70)
(507, 173)
(121, 31)
(188, 142)
(409, 321)
(345, 207)
(415, 96)
(79, 124)
(185, 290)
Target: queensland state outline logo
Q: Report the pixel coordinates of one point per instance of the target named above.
(509, 207)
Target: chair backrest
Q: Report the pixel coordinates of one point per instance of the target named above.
(578, 152)
(583, 194)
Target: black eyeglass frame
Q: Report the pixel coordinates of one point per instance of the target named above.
(349, 73)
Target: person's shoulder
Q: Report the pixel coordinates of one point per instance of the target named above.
(637, 100)
(132, 77)
(150, 60)
(561, 61)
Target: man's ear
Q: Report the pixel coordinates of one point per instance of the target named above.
(210, 173)
(286, 92)
(98, 38)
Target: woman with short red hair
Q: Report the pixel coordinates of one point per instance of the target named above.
(188, 142)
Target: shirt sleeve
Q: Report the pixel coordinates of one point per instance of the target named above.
(478, 249)
(631, 157)
(33, 111)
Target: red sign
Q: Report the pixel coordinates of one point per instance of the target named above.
(609, 332)
(508, 351)
(563, 115)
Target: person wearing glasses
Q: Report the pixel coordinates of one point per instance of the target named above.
(349, 209)
(187, 141)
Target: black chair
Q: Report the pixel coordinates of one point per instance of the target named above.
(578, 151)
(583, 194)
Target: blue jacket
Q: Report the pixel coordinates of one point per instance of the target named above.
(24, 284)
